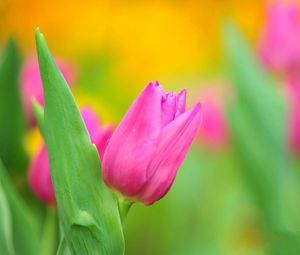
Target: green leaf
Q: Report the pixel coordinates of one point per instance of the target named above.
(11, 114)
(63, 248)
(6, 240)
(284, 244)
(260, 174)
(87, 210)
(25, 230)
(124, 207)
(257, 121)
(38, 112)
(255, 90)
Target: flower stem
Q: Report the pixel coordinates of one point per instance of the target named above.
(48, 240)
(124, 206)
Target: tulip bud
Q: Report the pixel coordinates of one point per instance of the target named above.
(214, 130)
(149, 145)
(39, 171)
(99, 135)
(293, 96)
(280, 44)
(31, 83)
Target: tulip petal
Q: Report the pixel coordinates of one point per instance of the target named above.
(294, 112)
(31, 83)
(280, 44)
(168, 107)
(133, 143)
(102, 139)
(40, 178)
(98, 135)
(31, 86)
(180, 103)
(174, 142)
(91, 122)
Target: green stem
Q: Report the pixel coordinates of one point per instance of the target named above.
(48, 239)
(124, 206)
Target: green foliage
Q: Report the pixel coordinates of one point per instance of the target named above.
(24, 228)
(48, 244)
(88, 211)
(257, 121)
(285, 244)
(11, 114)
(38, 112)
(6, 241)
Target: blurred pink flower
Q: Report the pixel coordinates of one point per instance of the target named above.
(39, 170)
(294, 112)
(31, 83)
(214, 130)
(149, 145)
(40, 179)
(280, 44)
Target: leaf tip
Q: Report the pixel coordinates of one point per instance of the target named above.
(38, 112)
(37, 33)
(36, 107)
(40, 40)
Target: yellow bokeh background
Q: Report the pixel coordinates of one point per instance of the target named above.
(175, 42)
(149, 38)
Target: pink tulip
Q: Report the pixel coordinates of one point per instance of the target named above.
(31, 83)
(149, 145)
(40, 179)
(294, 112)
(214, 130)
(39, 171)
(280, 44)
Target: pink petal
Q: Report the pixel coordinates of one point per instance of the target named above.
(214, 98)
(294, 112)
(39, 172)
(280, 45)
(92, 122)
(213, 131)
(174, 142)
(99, 135)
(40, 178)
(31, 83)
(102, 140)
(180, 103)
(31, 86)
(133, 143)
(168, 108)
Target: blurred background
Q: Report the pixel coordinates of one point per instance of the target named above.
(238, 190)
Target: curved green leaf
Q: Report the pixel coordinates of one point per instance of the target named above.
(38, 112)
(11, 113)
(25, 230)
(6, 240)
(87, 209)
(258, 125)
